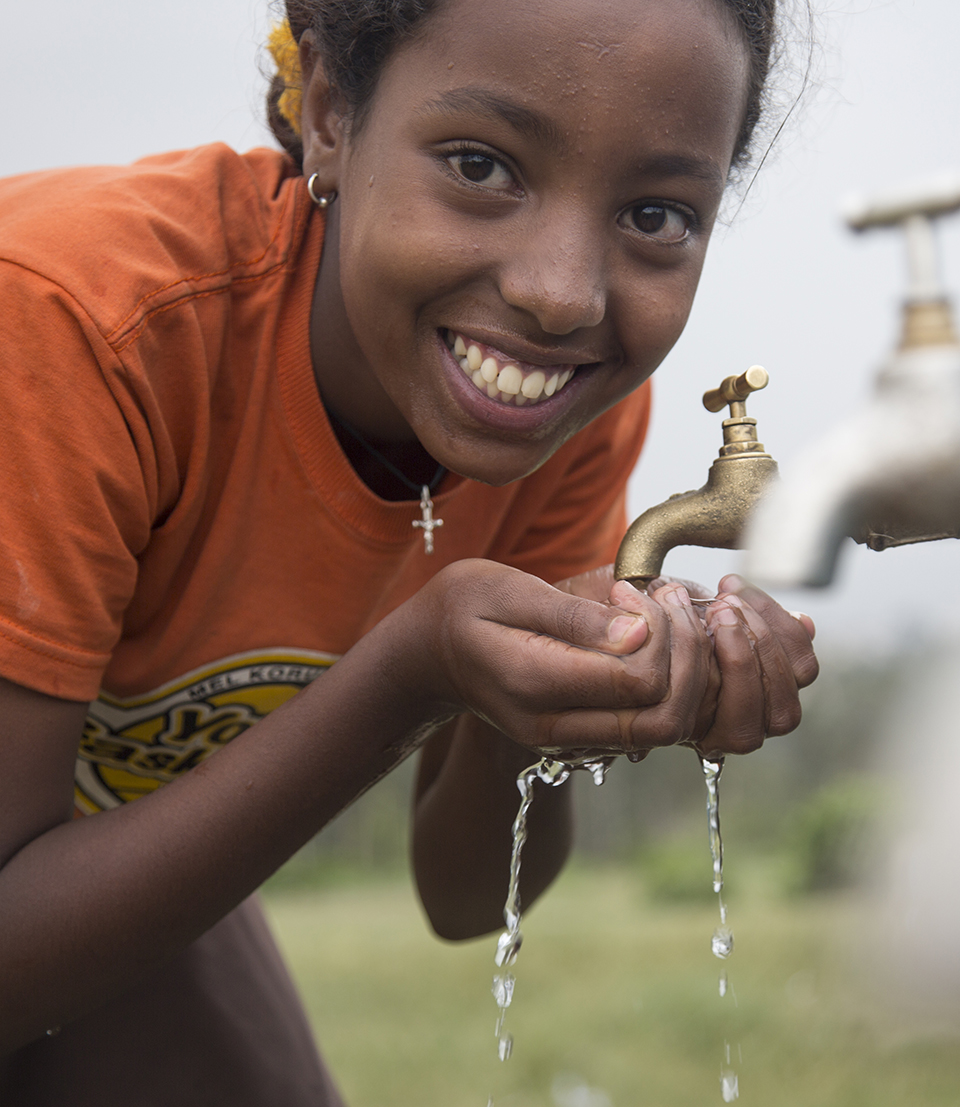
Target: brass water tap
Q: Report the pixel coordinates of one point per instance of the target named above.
(714, 515)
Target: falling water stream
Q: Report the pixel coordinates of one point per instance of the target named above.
(553, 773)
(721, 943)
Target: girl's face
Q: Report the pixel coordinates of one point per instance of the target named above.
(536, 179)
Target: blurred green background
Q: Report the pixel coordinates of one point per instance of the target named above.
(616, 1000)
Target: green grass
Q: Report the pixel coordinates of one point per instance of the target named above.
(612, 987)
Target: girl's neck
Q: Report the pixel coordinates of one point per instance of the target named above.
(410, 458)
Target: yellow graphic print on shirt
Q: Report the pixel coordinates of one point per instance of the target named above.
(132, 746)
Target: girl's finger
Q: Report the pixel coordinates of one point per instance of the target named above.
(676, 717)
(794, 634)
(526, 603)
(671, 721)
(739, 724)
(782, 701)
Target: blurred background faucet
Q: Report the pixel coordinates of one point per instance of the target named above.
(890, 475)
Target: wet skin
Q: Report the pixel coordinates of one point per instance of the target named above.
(540, 178)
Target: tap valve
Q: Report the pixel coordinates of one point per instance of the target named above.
(735, 390)
(927, 313)
(739, 430)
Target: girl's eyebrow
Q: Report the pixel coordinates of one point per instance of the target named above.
(543, 129)
(679, 165)
(484, 102)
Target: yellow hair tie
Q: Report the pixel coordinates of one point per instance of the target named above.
(286, 56)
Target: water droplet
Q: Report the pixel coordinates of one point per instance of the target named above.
(711, 775)
(570, 1090)
(505, 1047)
(508, 946)
(722, 942)
(635, 756)
(598, 770)
(729, 1087)
(503, 989)
(723, 984)
(553, 772)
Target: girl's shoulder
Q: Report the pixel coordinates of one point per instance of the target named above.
(115, 237)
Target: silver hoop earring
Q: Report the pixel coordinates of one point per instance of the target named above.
(321, 201)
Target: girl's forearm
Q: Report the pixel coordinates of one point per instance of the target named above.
(90, 906)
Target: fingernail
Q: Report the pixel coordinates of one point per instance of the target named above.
(800, 616)
(624, 588)
(725, 616)
(733, 601)
(679, 597)
(620, 627)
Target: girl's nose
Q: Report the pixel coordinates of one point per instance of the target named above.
(557, 275)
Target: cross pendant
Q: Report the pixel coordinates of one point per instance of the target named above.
(427, 522)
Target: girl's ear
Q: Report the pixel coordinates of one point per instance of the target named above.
(321, 119)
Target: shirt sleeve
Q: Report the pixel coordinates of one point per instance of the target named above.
(75, 507)
(571, 514)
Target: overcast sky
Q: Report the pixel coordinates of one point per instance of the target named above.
(785, 286)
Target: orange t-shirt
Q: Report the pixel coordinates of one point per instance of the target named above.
(181, 538)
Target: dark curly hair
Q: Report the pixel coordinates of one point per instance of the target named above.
(355, 38)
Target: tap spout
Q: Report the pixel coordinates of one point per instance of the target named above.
(714, 515)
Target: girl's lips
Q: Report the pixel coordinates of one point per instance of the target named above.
(502, 412)
(502, 378)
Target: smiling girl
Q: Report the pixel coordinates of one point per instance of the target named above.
(239, 395)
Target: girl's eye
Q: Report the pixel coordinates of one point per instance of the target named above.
(658, 221)
(481, 169)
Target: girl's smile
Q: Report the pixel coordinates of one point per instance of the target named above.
(510, 256)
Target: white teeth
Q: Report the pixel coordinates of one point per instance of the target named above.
(533, 385)
(510, 380)
(508, 385)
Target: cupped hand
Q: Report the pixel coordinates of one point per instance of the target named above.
(764, 656)
(560, 672)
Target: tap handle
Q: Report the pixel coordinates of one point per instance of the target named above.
(735, 390)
